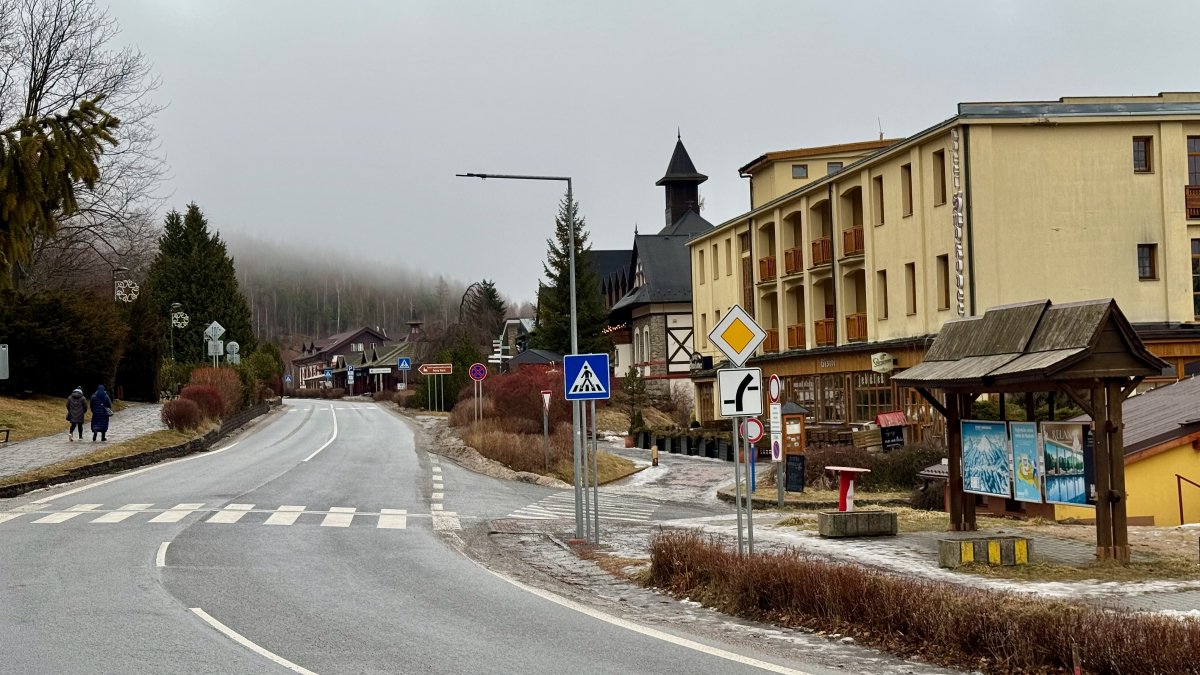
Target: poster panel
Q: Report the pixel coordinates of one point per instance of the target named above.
(1027, 461)
(986, 458)
(1067, 462)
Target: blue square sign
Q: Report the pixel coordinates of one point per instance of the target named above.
(404, 363)
(585, 377)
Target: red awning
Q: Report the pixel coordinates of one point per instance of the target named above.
(891, 419)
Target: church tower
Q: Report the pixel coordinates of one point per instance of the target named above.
(682, 183)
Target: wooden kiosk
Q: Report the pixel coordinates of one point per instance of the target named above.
(1085, 350)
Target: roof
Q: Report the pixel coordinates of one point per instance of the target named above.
(817, 151)
(681, 167)
(935, 471)
(1159, 415)
(535, 356)
(607, 261)
(334, 342)
(1028, 343)
(666, 266)
(690, 223)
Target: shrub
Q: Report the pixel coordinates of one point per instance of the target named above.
(895, 470)
(335, 392)
(226, 381)
(406, 398)
(932, 498)
(207, 398)
(513, 443)
(464, 411)
(521, 393)
(172, 374)
(382, 396)
(181, 414)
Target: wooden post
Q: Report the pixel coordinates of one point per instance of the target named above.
(1030, 408)
(1116, 452)
(968, 499)
(1104, 539)
(954, 451)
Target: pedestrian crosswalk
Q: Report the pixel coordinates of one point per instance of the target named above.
(229, 514)
(562, 505)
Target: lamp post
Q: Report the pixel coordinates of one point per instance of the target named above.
(574, 326)
(114, 279)
(175, 306)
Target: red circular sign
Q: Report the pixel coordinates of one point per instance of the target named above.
(478, 371)
(773, 388)
(753, 429)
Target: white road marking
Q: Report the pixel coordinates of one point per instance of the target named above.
(231, 513)
(562, 505)
(68, 493)
(393, 519)
(439, 486)
(437, 495)
(330, 438)
(176, 514)
(285, 515)
(433, 460)
(437, 469)
(63, 516)
(339, 516)
(122, 513)
(5, 517)
(161, 559)
(233, 635)
(445, 521)
(435, 507)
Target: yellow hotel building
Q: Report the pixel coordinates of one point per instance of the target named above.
(865, 249)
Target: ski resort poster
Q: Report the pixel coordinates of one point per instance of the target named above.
(1027, 466)
(1067, 449)
(986, 458)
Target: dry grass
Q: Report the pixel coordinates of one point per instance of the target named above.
(616, 418)
(512, 442)
(971, 628)
(633, 569)
(151, 441)
(1160, 568)
(38, 416)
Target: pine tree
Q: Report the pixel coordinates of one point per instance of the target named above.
(553, 330)
(145, 347)
(193, 268)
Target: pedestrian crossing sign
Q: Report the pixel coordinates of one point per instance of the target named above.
(585, 377)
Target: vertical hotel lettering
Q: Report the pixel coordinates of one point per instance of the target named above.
(957, 217)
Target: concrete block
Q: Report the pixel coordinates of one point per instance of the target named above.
(989, 550)
(856, 523)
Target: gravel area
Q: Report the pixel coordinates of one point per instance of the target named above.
(35, 453)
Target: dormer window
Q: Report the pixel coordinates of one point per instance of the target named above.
(639, 278)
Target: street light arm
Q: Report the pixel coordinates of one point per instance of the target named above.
(511, 176)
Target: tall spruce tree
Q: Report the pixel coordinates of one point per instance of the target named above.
(145, 347)
(193, 268)
(553, 330)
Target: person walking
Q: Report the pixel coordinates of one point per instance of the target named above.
(77, 406)
(101, 411)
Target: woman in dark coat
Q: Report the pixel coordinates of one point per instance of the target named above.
(101, 406)
(77, 407)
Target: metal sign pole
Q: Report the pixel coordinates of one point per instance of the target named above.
(587, 507)
(578, 469)
(595, 474)
(737, 480)
(546, 434)
(749, 491)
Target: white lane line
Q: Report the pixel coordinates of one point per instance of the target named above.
(68, 493)
(286, 515)
(339, 516)
(439, 486)
(435, 507)
(233, 635)
(122, 513)
(5, 517)
(231, 513)
(176, 514)
(650, 632)
(161, 559)
(330, 438)
(393, 519)
(437, 495)
(64, 516)
(445, 521)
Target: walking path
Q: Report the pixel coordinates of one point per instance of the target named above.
(133, 421)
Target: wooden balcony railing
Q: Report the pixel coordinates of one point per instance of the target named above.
(796, 337)
(1191, 195)
(771, 344)
(793, 260)
(825, 334)
(852, 241)
(766, 268)
(822, 251)
(856, 328)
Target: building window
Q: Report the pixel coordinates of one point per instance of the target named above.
(1147, 263)
(872, 395)
(1193, 160)
(716, 317)
(637, 343)
(910, 288)
(700, 265)
(881, 299)
(716, 264)
(878, 199)
(804, 392)
(939, 177)
(1141, 154)
(744, 242)
(906, 188)
(833, 398)
(704, 329)
(943, 281)
(799, 171)
(833, 167)
(1196, 278)
(728, 258)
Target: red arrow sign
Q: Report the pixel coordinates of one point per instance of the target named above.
(436, 368)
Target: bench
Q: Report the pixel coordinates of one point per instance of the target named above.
(5, 432)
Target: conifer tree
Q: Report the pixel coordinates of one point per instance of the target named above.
(193, 268)
(553, 331)
(145, 347)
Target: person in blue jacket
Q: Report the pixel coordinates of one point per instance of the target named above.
(101, 411)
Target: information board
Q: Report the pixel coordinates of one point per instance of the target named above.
(794, 473)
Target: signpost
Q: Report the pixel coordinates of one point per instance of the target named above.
(436, 390)
(350, 379)
(586, 378)
(498, 356)
(478, 372)
(739, 390)
(776, 421)
(546, 393)
(213, 334)
(404, 364)
(233, 353)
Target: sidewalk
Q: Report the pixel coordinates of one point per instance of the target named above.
(35, 453)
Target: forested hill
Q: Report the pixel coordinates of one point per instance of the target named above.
(297, 294)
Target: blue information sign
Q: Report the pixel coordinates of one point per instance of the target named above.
(404, 363)
(329, 374)
(585, 377)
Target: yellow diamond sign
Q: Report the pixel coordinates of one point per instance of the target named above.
(737, 335)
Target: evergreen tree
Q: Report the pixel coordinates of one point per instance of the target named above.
(553, 330)
(462, 354)
(145, 347)
(193, 268)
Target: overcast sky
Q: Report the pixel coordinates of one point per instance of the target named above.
(341, 125)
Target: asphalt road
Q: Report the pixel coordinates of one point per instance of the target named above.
(133, 575)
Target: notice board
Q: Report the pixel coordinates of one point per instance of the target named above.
(794, 473)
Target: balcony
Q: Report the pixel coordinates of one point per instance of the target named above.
(856, 328)
(793, 260)
(796, 337)
(825, 332)
(852, 241)
(1191, 194)
(771, 344)
(822, 252)
(766, 268)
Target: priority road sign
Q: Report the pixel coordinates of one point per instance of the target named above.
(585, 376)
(404, 363)
(478, 371)
(214, 331)
(740, 391)
(737, 335)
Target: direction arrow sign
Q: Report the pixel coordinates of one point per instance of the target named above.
(737, 335)
(478, 371)
(214, 331)
(436, 369)
(740, 391)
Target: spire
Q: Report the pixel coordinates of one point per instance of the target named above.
(681, 168)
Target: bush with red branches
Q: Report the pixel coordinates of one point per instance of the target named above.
(207, 398)
(181, 414)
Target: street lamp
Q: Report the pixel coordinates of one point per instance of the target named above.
(178, 320)
(574, 326)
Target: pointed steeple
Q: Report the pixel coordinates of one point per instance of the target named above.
(682, 183)
(681, 168)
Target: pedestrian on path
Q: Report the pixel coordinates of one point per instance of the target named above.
(77, 407)
(101, 411)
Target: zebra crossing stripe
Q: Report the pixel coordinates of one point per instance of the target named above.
(122, 513)
(339, 516)
(392, 519)
(64, 516)
(231, 513)
(285, 515)
(5, 517)
(176, 514)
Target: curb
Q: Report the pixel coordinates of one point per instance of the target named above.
(761, 503)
